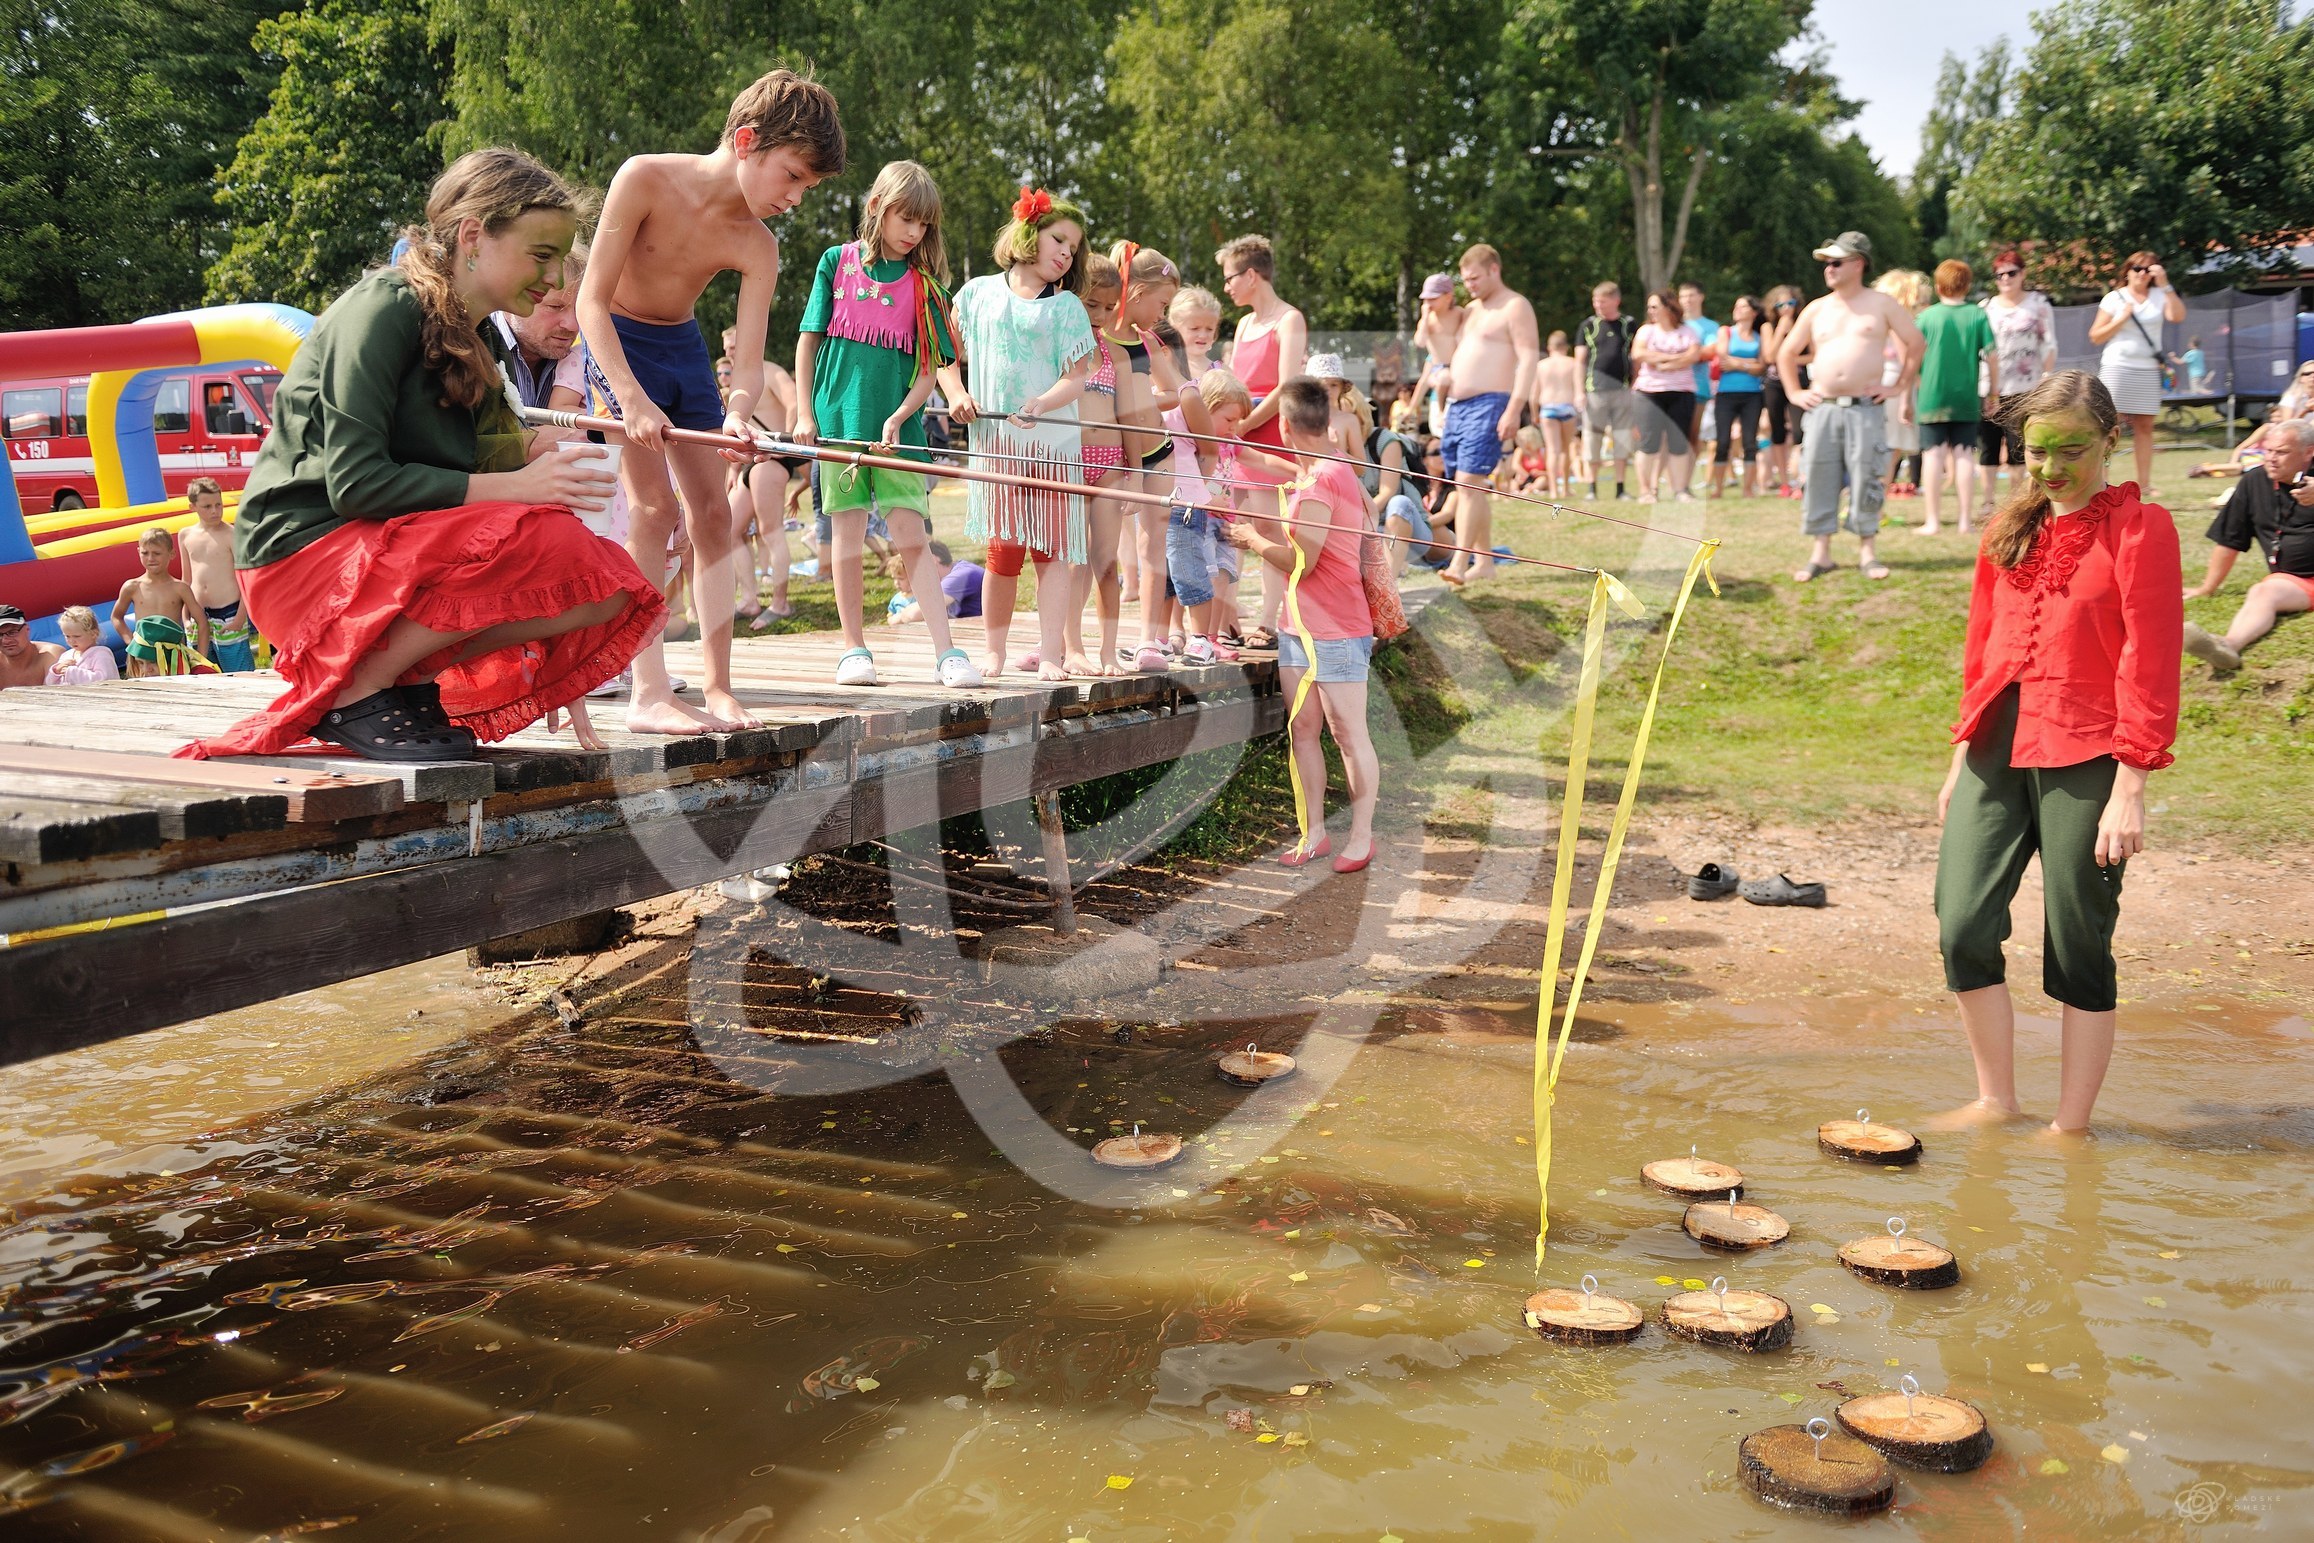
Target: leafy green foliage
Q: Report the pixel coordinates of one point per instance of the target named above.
(342, 156)
(2174, 125)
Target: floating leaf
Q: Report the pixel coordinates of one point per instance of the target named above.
(2039, 1368)
(1267, 1437)
(1369, 1307)
(2171, 1253)
(1299, 1275)
(1269, 1159)
(1002, 1379)
(1181, 1194)
(1295, 1438)
(1474, 1264)
(956, 1216)
(1821, 1307)
(867, 1384)
(1120, 1481)
(785, 1248)
(1826, 1320)
(1692, 1284)
(2053, 1466)
(1665, 1280)
(2115, 1452)
(1892, 1361)
(498, 1427)
(1598, 1192)
(1299, 1390)
(2156, 1302)
(1789, 1398)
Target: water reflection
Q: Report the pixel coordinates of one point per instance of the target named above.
(603, 1294)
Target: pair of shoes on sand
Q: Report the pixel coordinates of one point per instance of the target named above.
(1716, 882)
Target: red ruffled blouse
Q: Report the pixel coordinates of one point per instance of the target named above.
(2089, 627)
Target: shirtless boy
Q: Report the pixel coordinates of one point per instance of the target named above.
(670, 224)
(206, 550)
(168, 614)
(1435, 333)
(1841, 338)
(1495, 356)
(22, 661)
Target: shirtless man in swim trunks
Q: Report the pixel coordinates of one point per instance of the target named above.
(1494, 376)
(1841, 338)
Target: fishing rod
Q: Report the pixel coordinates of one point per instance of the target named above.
(764, 442)
(1285, 451)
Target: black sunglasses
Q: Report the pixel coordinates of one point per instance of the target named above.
(2006, 273)
(2141, 267)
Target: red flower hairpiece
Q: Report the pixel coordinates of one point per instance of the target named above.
(1033, 204)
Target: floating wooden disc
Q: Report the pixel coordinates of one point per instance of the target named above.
(1573, 1319)
(1692, 1178)
(1906, 1262)
(1941, 1434)
(1864, 1141)
(1751, 1320)
(1150, 1151)
(1783, 1466)
(1716, 1224)
(1252, 1068)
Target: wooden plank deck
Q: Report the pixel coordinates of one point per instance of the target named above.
(253, 878)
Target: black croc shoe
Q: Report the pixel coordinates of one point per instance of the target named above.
(1712, 882)
(1782, 891)
(383, 726)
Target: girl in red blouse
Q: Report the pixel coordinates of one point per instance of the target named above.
(2068, 702)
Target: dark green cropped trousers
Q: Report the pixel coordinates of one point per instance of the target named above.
(2000, 816)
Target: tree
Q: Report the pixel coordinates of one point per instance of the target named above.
(341, 158)
(1952, 140)
(2185, 127)
(1650, 84)
(114, 117)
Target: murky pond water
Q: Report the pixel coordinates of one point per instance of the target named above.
(579, 1283)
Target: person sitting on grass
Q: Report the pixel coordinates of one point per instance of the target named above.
(2272, 507)
(1325, 603)
(2069, 695)
(959, 586)
(409, 548)
(85, 659)
(170, 635)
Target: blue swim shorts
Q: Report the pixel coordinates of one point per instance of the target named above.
(1559, 412)
(1341, 661)
(1472, 441)
(672, 366)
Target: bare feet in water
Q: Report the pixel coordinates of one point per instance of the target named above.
(1979, 1111)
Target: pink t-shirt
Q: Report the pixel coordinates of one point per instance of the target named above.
(78, 669)
(1665, 377)
(1330, 599)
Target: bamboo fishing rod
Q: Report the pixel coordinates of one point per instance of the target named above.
(764, 442)
(1287, 452)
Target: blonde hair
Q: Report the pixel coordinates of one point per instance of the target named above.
(496, 187)
(790, 111)
(158, 533)
(2009, 537)
(1529, 438)
(905, 188)
(1016, 243)
(1144, 267)
(76, 618)
(1193, 301)
(1908, 287)
(1219, 388)
(1254, 251)
(1482, 254)
(1355, 404)
(1556, 343)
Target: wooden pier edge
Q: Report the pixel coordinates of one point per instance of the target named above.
(88, 988)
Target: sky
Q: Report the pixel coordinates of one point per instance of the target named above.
(1887, 56)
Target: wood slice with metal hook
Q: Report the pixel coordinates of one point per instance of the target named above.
(1751, 1321)
(1137, 1150)
(1730, 1224)
(1253, 1066)
(1920, 1430)
(1893, 1259)
(1692, 1177)
(1585, 1317)
(1804, 1468)
(1861, 1141)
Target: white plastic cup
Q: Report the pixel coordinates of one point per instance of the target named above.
(600, 457)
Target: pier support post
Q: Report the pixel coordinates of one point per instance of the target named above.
(1056, 863)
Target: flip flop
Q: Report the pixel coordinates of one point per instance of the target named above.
(1712, 882)
(1813, 572)
(1782, 891)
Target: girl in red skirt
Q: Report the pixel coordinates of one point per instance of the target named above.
(2068, 703)
(406, 543)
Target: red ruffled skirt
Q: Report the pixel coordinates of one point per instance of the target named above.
(453, 570)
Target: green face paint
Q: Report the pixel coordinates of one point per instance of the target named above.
(2066, 455)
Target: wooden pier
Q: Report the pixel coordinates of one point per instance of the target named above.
(138, 891)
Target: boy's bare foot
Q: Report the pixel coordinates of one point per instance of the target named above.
(1928, 530)
(1050, 671)
(1978, 1111)
(1075, 663)
(666, 715)
(728, 713)
(991, 666)
(1483, 569)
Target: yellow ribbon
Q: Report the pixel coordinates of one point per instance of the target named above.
(1309, 812)
(1548, 1059)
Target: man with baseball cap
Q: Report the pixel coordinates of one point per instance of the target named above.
(1842, 338)
(22, 661)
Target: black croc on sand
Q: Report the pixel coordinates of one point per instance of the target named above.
(1712, 882)
(384, 726)
(1782, 891)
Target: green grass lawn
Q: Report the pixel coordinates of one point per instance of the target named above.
(1833, 700)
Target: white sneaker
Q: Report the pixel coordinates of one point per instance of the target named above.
(856, 668)
(957, 671)
(1199, 650)
(618, 685)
